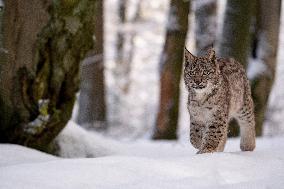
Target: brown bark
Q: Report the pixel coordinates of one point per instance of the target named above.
(44, 42)
(170, 70)
(92, 105)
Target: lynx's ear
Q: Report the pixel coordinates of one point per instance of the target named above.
(212, 57)
(211, 54)
(188, 57)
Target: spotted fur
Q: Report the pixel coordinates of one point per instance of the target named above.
(218, 91)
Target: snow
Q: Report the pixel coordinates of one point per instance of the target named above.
(74, 141)
(11, 154)
(37, 125)
(141, 164)
(92, 59)
(197, 4)
(172, 24)
(255, 68)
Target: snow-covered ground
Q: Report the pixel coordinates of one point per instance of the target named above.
(143, 164)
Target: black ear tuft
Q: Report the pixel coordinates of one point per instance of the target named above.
(211, 53)
(212, 57)
(188, 57)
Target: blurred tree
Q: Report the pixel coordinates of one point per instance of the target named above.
(206, 24)
(117, 72)
(235, 41)
(125, 52)
(92, 105)
(125, 46)
(266, 52)
(170, 70)
(130, 51)
(44, 41)
(122, 4)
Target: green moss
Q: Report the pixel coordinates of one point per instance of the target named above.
(83, 5)
(70, 3)
(40, 85)
(43, 107)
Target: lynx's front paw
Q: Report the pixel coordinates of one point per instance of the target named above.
(202, 151)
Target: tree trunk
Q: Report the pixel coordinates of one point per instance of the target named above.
(206, 25)
(92, 105)
(268, 36)
(170, 70)
(44, 41)
(235, 40)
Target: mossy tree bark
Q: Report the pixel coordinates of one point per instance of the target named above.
(267, 46)
(235, 41)
(44, 41)
(170, 70)
(92, 104)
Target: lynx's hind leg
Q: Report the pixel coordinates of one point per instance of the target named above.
(222, 144)
(247, 126)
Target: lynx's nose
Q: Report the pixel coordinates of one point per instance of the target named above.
(198, 81)
(199, 87)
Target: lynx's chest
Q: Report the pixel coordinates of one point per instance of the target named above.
(200, 107)
(201, 113)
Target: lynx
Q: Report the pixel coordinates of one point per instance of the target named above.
(218, 91)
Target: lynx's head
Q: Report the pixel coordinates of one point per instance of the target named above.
(200, 73)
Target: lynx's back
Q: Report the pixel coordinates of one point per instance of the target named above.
(237, 83)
